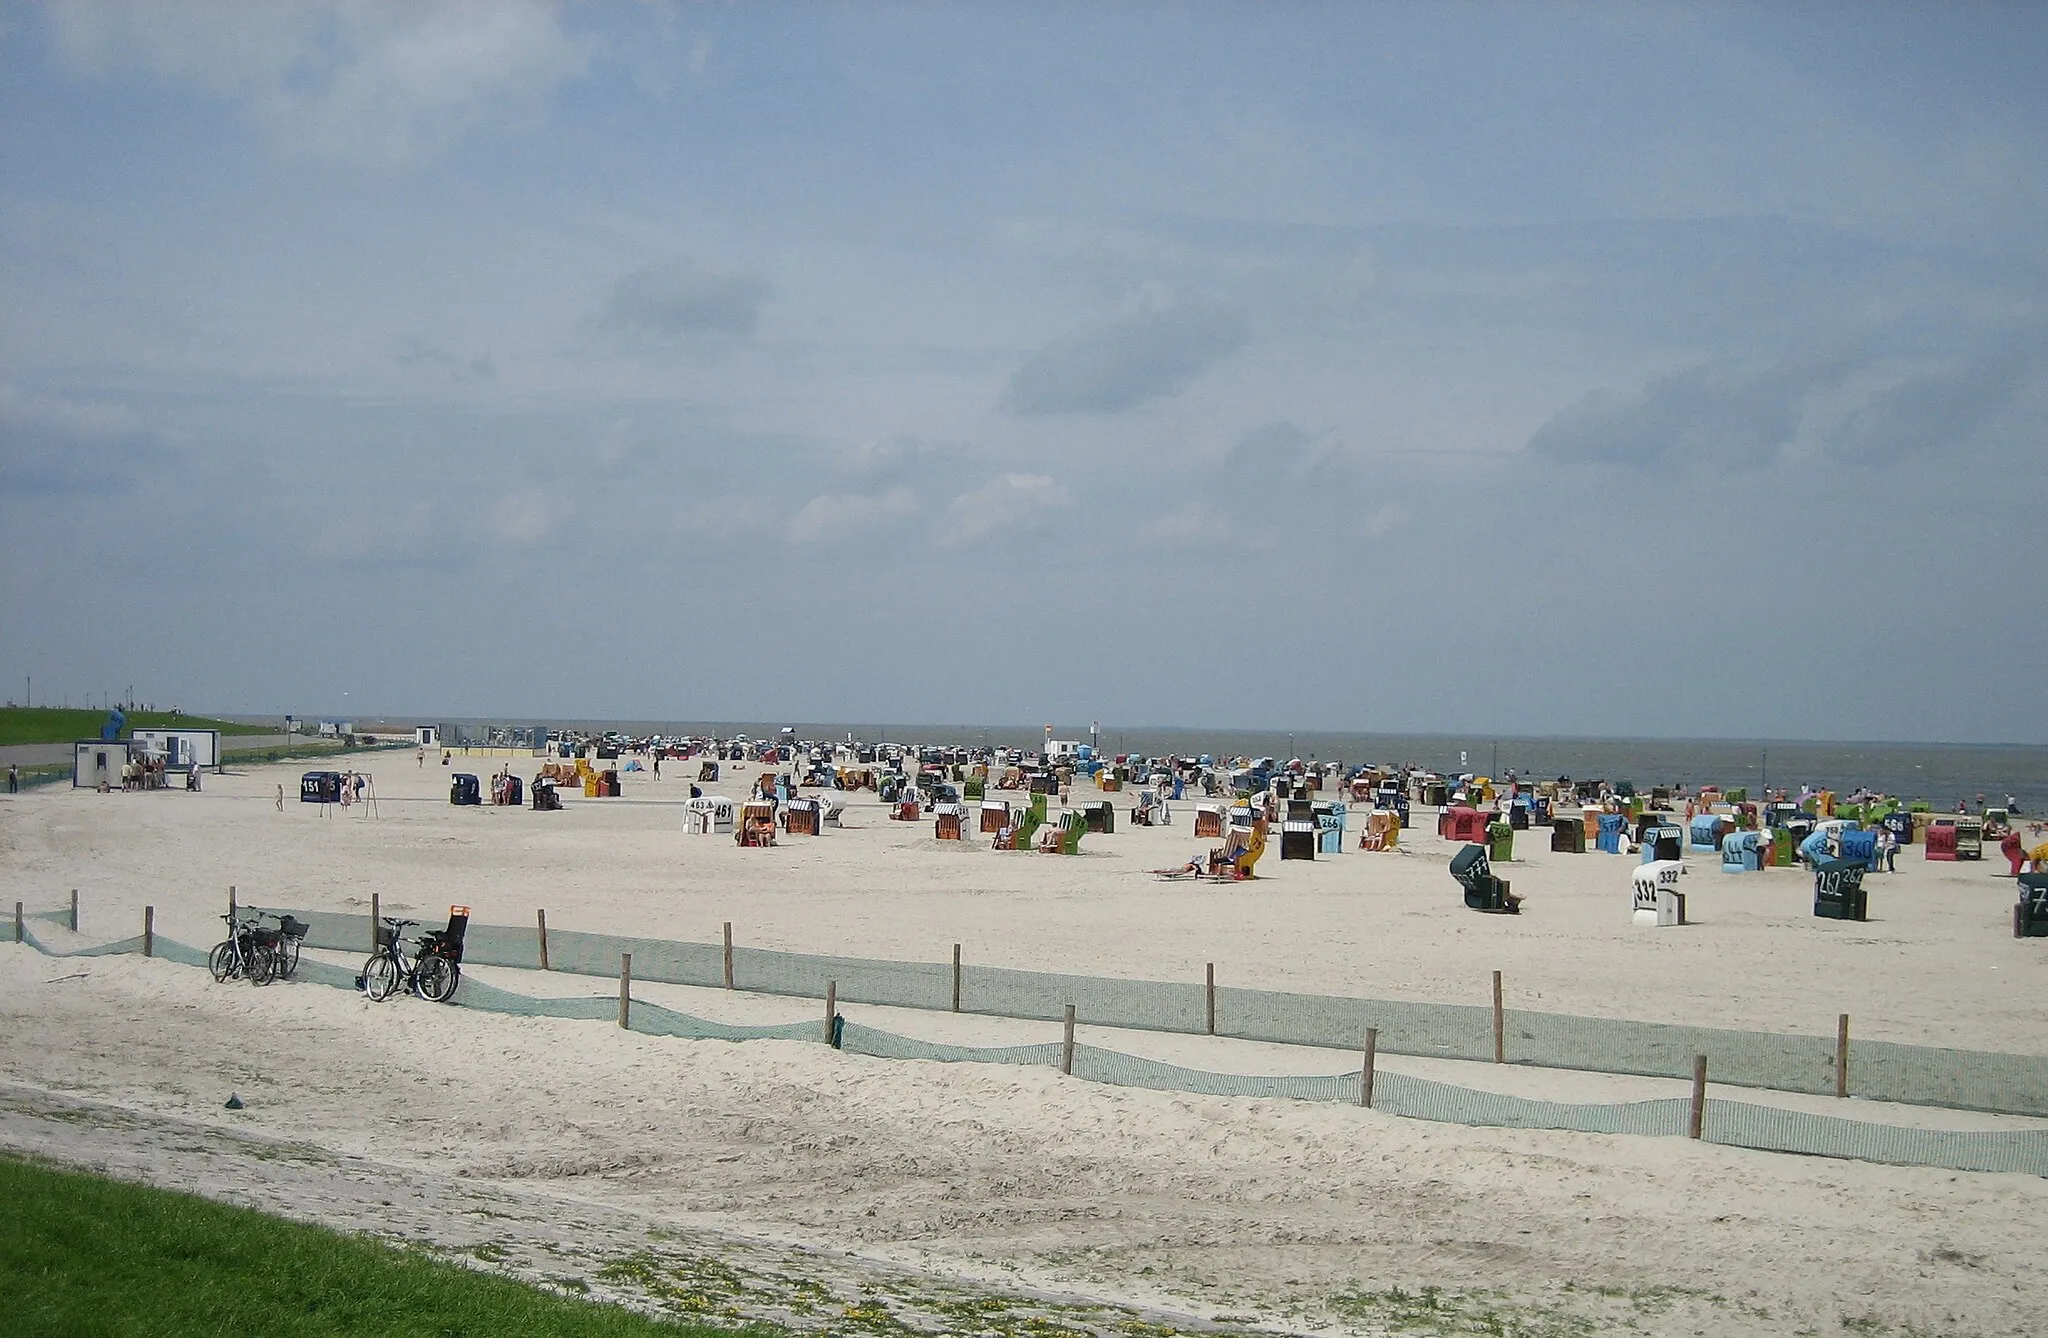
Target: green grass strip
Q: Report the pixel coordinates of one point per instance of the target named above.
(81, 1254)
(52, 724)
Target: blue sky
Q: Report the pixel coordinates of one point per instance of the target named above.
(1613, 369)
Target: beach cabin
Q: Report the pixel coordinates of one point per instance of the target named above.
(948, 821)
(1613, 832)
(1940, 842)
(995, 815)
(803, 817)
(180, 748)
(831, 808)
(755, 826)
(1466, 825)
(1382, 831)
(1209, 819)
(710, 815)
(1969, 838)
(96, 763)
(1654, 896)
(1704, 831)
(320, 787)
(1298, 831)
(464, 791)
(1662, 842)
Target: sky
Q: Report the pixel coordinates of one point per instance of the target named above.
(1541, 369)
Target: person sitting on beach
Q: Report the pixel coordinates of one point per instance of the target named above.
(1194, 868)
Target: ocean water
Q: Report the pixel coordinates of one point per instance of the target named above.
(1941, 774)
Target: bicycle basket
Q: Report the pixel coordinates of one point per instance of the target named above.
(292, 927)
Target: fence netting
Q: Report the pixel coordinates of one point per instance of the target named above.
(1448, 1031)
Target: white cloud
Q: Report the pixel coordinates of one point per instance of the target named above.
(524, 517)
(1000, 506)
(342, 78)
(831, 517)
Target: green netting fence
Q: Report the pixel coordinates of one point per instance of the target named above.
(1878, 1071)
(1734, 1123)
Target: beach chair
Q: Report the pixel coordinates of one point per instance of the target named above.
(1741, 852)
(756, 826)
(1209, 820)
(1838, 891)
(1483, 891)
(995, 816)
(2030, 914)
(947, 821)
(1568, 836)
(802, 817)
(464, 790)
(1382, 831)
(1655, 898)
(1329, 827)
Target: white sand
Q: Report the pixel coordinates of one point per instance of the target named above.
(1266, 1207)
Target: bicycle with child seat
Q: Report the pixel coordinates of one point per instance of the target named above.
(431, 970)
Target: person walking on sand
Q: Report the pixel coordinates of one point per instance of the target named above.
(280, 798)
(657, 764)
(1888, 848)
(13, 779)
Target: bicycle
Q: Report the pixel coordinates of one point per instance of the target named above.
(432, 972)
(246, 953)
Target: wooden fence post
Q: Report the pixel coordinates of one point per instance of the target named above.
(956, 977)
(1209, 994)
(376, 918)
(1372, 1050)
(74, 907)
(1699, 1097)
(1500, 1034)
(1842, 1055)
(728, 954)
(149, 931)
(231, 909)
(1067, 1045)
(20, 936)
(542, 918)
(831, 1007)
(626, 990)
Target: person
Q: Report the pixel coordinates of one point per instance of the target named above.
(657, 764)
(280, 798)
(422, 754)
(13, 778)
(1888, 847)
(192, 777)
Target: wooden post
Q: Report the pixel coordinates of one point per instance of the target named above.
(1209, 993)
(956, 977)
(376, 919)
(626, 990)
(1500, 1032)
(149, 931)
(74, 907)
(728, 954)
(542, 918)
(1842, 1055)
(20, 936)
(1372, 1050)
(1699, 1097)
(831, 1007)
(1067, 1044)
(231, 907)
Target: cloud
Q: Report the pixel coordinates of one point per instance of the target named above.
(53, 445)
(682, 300)
(1719, 414)
(830, 518)
(1185, 526)
(1926, 412)
(1123, 364)
(887, 459)
(524, 517)
(354, 79)
(1001, 506)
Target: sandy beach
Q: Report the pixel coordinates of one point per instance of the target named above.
(1203, 1206)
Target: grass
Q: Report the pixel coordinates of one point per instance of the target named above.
(51, 724)
(83, 1254)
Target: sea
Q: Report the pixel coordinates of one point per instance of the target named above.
(1942, 774)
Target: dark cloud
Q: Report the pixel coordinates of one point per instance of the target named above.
(682, 300)
(1929, 412)
(1122, 365)
(1718, 414)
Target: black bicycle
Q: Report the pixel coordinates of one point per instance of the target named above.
(246, 953)
(432, 971)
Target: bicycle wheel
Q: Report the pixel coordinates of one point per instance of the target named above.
(380, 976)
(262, 966)
(287, 956)
(435, 979)
(221, 961)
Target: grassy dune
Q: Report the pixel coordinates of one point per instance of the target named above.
(83, 1254)
(50, 724)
